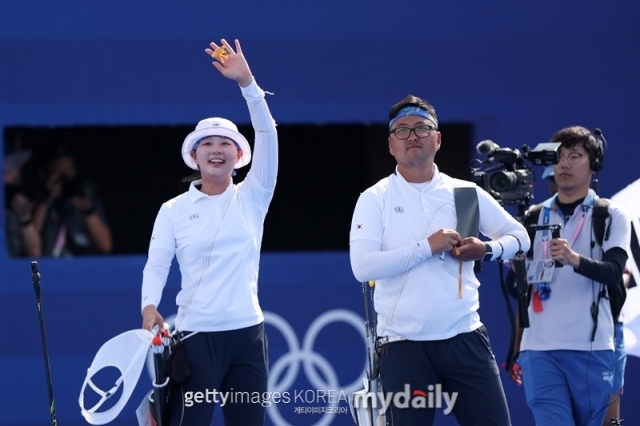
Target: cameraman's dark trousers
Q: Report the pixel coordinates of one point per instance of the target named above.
(230, 365)
(458, 374)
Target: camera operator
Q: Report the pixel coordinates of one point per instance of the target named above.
(70, 218)
(567, 352)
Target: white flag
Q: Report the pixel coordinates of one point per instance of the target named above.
(629, 200)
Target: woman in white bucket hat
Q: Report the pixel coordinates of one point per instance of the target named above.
(215, 232)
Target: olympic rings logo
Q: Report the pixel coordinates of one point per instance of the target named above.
(310, 360)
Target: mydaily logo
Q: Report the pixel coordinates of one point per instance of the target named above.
(433, 398)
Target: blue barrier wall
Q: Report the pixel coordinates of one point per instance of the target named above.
(88, 301)
(516, 72)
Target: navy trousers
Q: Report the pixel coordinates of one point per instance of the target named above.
(458, 375)
(226, 367)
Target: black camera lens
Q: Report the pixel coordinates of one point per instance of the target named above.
(503, 181)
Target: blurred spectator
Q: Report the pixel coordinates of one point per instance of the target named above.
(549, 177)
(69, 216)
(23, 238)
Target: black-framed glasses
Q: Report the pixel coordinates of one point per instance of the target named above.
(421, 131)
(572, 158)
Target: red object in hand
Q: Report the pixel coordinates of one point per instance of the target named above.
(514, 367)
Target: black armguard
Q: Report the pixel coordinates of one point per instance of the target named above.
(607, 271)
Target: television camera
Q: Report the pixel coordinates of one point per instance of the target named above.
(507, 174)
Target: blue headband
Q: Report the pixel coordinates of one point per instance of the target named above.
(195, 145)
(413, 111)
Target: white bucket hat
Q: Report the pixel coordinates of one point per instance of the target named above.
(215, 126)
(127, 352)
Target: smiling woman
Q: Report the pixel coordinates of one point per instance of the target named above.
(214, 230)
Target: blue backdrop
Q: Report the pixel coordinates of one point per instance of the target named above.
(517, 72)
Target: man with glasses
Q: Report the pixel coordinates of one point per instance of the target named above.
(566, 354)
(432, 346)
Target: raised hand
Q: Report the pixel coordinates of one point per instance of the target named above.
(54, 185)
(233, 65)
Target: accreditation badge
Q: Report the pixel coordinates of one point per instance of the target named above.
(540, 271)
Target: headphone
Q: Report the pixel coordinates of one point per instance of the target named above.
(597, 163)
